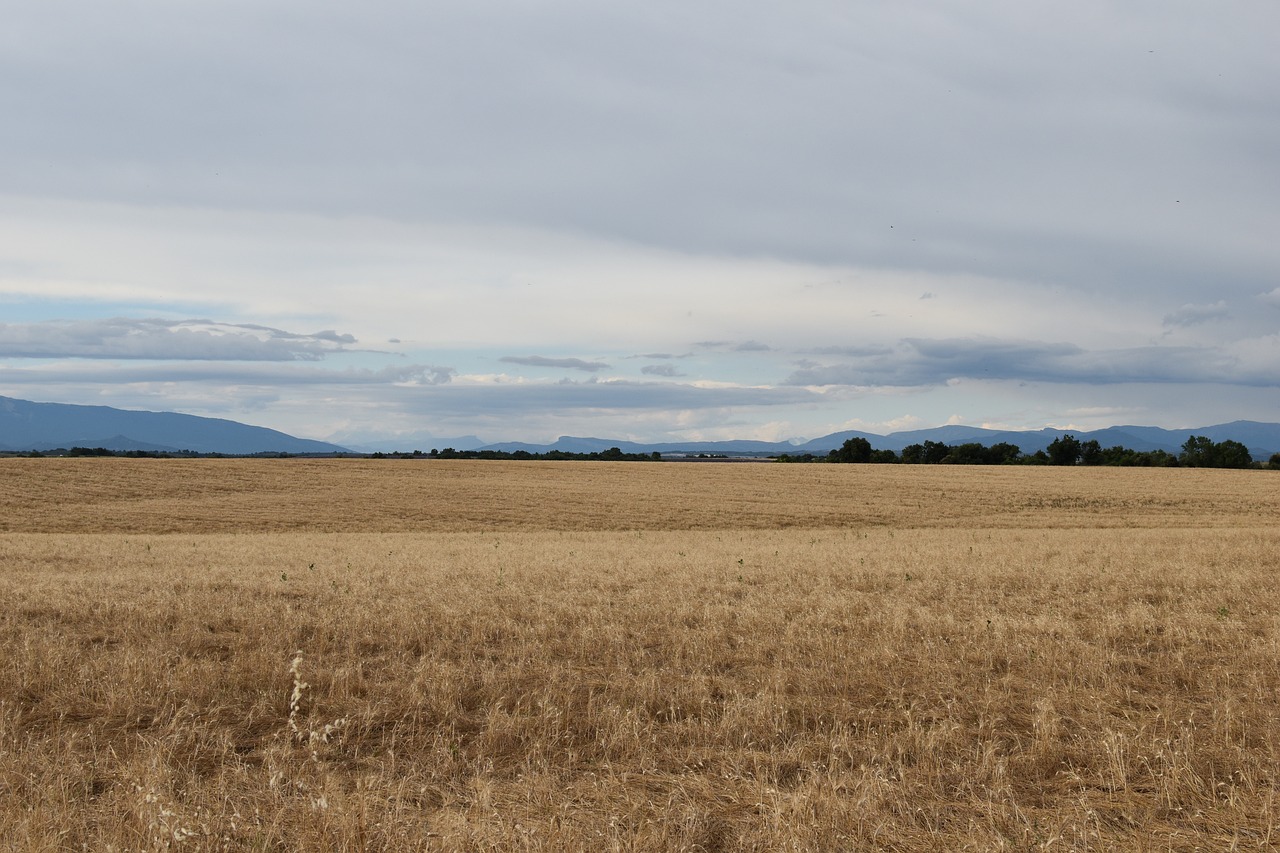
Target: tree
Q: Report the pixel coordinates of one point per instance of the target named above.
(971, 453)
(1003, 453)
(1065, 450)
(935, 452)
(856, 449)
(1091, 452)
(1202, 452)
(929, 453)
(1197, 452)
(1233, 454)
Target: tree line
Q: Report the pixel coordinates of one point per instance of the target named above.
(613, 454)
(1197, 452)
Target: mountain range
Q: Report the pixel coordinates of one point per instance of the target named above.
(25, 426)
(1262, 439)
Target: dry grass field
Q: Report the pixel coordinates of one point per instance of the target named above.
(423, 655)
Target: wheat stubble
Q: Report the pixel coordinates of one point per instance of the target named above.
(635, 657)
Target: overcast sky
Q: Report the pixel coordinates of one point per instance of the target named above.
(643, 221)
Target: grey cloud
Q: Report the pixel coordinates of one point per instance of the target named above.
(978, 357)
(326, 335)
(744, 346)
(414, 374)
(242, 375)
(856, 351)
(1190, 315)
(149, 338)
(330, 335)
(849, 374)
(421, 389)
(972, 129)
(661, 370)
(924, 362)
(1139, 168)
(468, 400)
(565, 363)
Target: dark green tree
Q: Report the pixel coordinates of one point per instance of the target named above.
(1003, 453)
(1064, 450)
(1201, 452)
(971, 453)
(1091, 452)
(935, 452)
(1232, 454)
(1197, 452)
(856, 449)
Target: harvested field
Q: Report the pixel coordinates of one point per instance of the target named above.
(422, 655)
(361, 496)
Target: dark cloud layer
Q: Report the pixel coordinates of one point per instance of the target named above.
(924, 362)
(241, 375)
(179, 340)
(1191, 315)
(968, 136)
(660, 370)
(925, 182)
(565, 363)
(457, 400)
(425, 390)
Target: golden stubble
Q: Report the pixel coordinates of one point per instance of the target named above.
(363, 495)
(981, 682)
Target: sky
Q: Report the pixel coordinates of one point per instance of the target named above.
(412, 221)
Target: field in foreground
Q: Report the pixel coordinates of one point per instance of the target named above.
(1019, 659)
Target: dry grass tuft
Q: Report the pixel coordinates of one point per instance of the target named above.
(987, 685)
